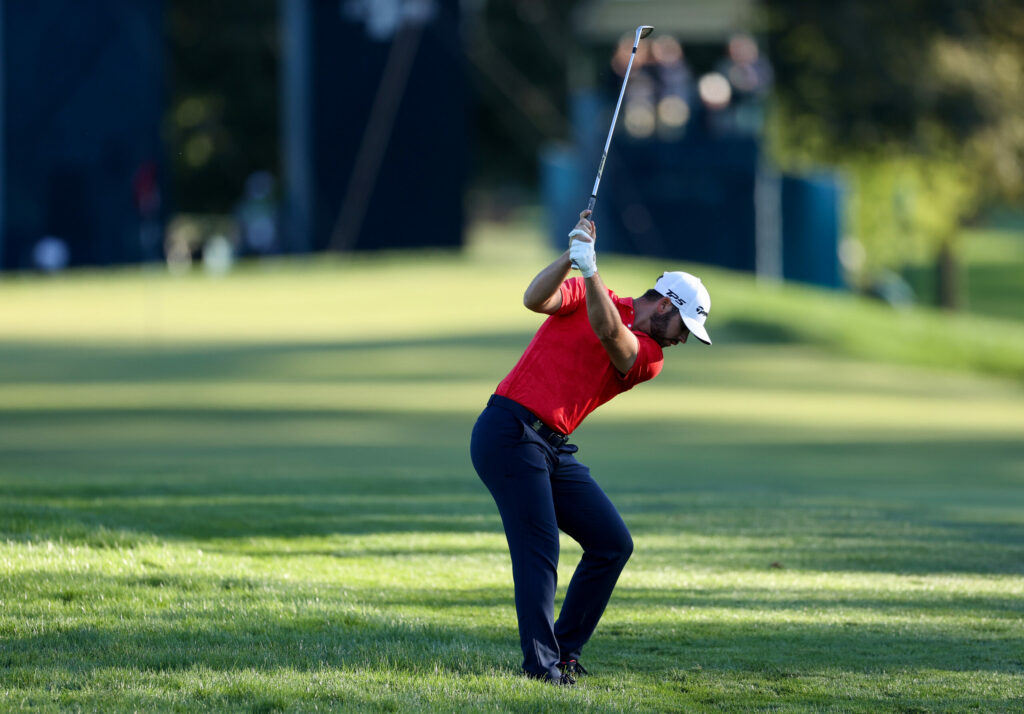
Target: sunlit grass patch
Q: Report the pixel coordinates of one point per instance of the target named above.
(244, 512)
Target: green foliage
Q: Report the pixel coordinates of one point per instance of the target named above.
(223, 119)
(988, 70)
(903, 208)
(253, 493)
(914, 75)
(920, 102)
(518, 57)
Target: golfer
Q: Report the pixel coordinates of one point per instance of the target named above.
(593, 346)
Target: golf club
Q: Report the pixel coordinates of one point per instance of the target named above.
(641, 32)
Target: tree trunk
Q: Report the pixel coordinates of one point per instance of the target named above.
(947, 276)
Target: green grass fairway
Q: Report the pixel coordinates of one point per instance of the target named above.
(254, 494)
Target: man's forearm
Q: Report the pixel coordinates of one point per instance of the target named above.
(546, 283)
(620, 344)
(601, 312)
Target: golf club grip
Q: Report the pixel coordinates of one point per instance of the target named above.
(590, 207)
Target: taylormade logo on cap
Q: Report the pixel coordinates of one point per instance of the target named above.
(690, 296)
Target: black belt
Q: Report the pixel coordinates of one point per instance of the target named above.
(549, 435)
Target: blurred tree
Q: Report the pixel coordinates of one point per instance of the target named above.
(223, 118)
(518, 52)
(921, 100)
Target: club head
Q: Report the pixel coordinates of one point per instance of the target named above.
(642, 32)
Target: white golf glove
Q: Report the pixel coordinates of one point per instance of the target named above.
(582, 234)
(583, 257)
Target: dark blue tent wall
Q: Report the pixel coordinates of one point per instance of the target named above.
(690, 200)
(812, 229)
(82, 99)
(374, 125)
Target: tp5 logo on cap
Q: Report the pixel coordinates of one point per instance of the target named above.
(691, 298)
(675, 298)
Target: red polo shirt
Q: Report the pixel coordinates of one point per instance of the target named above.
(565, 373)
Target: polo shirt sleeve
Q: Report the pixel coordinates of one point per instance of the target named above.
(574, 293)
(648, 364)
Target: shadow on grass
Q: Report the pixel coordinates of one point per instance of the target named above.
(744, 345)
(902, 517)
(29, 361)
(63, 364)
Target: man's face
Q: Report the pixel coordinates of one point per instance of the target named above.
(667, 327)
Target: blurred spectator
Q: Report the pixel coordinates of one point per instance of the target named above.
(51, 254)
(716, 97)
(751, 77)
(218, 255)
(660, 92)
(257, 215)
(620, 59)
(675, 87)
(892, 289)
(146, 192)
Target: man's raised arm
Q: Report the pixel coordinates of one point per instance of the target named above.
(543, 294)
(621, 345)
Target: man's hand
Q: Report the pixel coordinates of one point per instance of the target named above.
(585, 229)
(581, 245)
(583, 257)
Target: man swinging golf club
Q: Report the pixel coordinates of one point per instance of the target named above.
(593, 346)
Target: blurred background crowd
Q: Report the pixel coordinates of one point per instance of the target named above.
(829, 143)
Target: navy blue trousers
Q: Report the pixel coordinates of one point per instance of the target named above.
(539, 489)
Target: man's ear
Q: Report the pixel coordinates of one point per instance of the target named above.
(664, 305)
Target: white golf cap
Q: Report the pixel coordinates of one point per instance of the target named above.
(688, 294)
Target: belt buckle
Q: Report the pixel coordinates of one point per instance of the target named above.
(552, 436)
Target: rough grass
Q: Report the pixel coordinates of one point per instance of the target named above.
(253, 493)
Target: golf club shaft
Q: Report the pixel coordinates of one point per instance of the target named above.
(611, 129)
